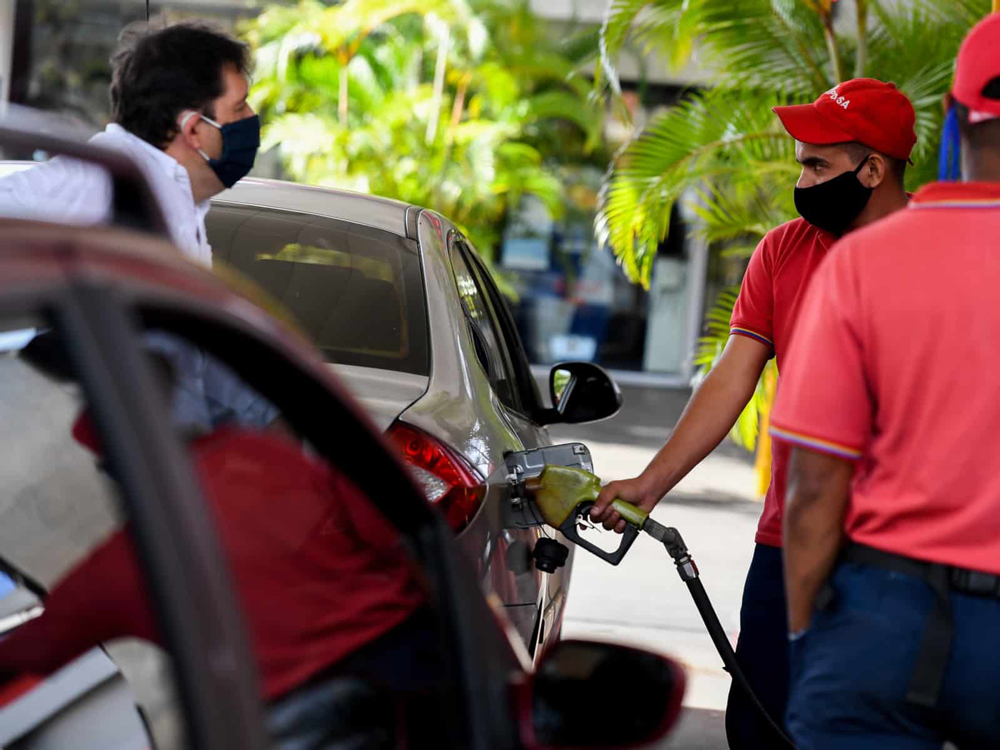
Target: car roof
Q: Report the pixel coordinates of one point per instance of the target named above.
(358, 208)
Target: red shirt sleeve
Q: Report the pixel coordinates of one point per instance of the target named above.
(823, 400)
(102, 598)
(753, 313)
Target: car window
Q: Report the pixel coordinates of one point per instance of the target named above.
(526, 385)
(490, 346)
(357, 291)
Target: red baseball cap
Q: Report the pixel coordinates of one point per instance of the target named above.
(861, 110)
(979, 63)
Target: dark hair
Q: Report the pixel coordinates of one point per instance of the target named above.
(858, 151)
(156, 74)
(981, 134)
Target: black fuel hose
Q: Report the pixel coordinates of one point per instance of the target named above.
(722, 645)
(688, 572)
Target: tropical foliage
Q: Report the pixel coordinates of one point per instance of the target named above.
(463, 107)
(723, 152)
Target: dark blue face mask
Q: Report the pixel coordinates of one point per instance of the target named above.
(240, 141)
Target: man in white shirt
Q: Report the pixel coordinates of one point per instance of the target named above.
(180, 113)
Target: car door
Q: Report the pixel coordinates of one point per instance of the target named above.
(535, 438)
(519, 401)
(511, 575)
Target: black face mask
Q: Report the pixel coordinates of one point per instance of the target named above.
(834, 204)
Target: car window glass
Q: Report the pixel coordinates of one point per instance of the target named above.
(480, 318)
(60, 525)
(507, 331)
(356, 291)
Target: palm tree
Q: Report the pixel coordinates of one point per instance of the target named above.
(461, 107)
(722, 150)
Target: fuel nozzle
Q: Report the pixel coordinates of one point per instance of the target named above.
(564, 495)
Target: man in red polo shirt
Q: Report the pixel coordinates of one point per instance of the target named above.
(853, 143)
(891, 403)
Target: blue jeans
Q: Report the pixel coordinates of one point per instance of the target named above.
(851, 670)
(762, 653)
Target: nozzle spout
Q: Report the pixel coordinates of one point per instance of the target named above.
(533, 484)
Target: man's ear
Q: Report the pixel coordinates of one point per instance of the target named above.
(875, 171)
(187, 125)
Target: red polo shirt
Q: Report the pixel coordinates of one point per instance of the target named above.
(766, 310)
(895, 362)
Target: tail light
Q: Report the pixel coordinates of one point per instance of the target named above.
(445, 477)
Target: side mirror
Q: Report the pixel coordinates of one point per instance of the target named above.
(557, 705)
(581, 392)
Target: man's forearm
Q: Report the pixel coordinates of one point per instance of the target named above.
(818, 491)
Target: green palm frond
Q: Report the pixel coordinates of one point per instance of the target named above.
(961, 13)
(276, 21)
(615, 30)
(777, 44)
(736, 212)
(708, 137)
(774, 43)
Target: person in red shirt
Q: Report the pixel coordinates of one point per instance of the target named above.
(890, 405)
(328, 592)
(853, 143)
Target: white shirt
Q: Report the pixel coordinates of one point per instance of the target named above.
(71, 191)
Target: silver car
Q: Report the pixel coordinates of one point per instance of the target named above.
(412, 321)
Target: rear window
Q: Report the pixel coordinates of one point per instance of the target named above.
(356, 291)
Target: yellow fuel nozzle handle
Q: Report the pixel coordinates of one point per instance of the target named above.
(560, 491)
(632, 514)
(562, 494)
